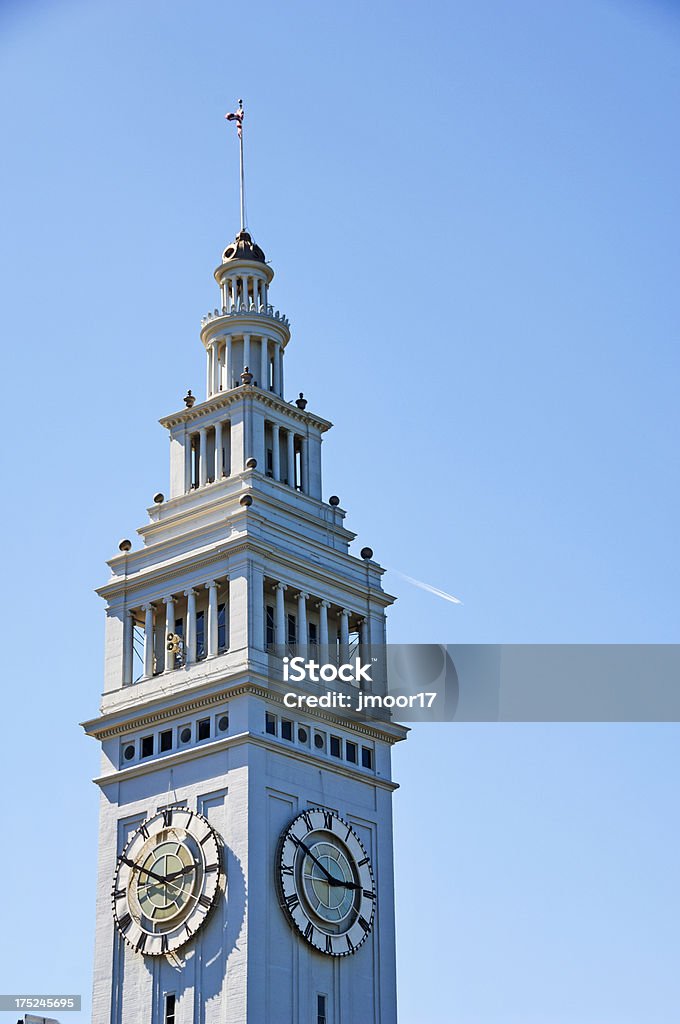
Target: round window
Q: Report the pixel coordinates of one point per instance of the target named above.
(223, 723)
(302, 735)
(129, 752)
(185, 735)
(318, 742)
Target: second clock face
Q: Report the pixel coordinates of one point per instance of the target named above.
(167, 880)
(325, 882)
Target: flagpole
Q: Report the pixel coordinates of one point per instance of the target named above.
(240, 136)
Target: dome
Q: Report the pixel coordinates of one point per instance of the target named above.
(243, 248)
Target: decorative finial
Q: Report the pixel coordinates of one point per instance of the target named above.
(246, 376)
(189, 399)
(301, 402)
(237, 116)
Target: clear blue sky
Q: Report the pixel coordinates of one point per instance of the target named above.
(472, 211)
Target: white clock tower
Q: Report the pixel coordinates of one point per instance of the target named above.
(245, 848)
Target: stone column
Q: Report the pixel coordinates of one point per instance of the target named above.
(215, 366)
(228, 368)
(280, 616)
(244, 291)
(219, 452)
(302, 637)
(128, 632)
(188, 450)
(344, 635)
(148, 610)
(323, 623)
(212, 618)
(304, 481)
(190, 630)
(208, 372)
(264, 364)
(246, 350)
(277, 369)
(280, 391)
(291, 459)
(203, 456)
(169, 603)
(256, 607)
(276, 452)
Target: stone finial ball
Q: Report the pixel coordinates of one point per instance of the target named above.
(251, 463)
(334, 500)
(125, 545)
(159, 498)
(246, 501)
(367, 553)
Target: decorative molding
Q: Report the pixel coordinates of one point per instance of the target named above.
(224, 399)
(187, 707)
(240, 739)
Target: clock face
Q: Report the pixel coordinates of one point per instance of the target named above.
(325, 882)
(167, 880)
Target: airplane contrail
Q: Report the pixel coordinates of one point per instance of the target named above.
(427, 586)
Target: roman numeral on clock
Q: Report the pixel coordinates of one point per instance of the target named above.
(167, 817)
(369, 894)
(286, 869)
(143, 831)
(309, 931)
(292, 901)
(124, 922)
(118, 894)
(329, 944)
(328, 820)
(141, 943)
(364, 924)
(204, 901)
(350, 944)
(362, 862)
(307, 820)
(164, 944)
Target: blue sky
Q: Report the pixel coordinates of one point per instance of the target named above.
(472, 212)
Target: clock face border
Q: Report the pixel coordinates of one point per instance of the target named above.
(191, 830)
(322, 824)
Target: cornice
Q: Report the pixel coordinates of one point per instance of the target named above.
(104, 728)
(188, 563)
(241, 739)
(224, 399)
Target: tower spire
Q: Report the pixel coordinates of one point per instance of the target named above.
(237, 116)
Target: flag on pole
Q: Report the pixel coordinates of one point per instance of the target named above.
(238, 117)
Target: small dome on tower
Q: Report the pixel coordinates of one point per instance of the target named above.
(243, 248)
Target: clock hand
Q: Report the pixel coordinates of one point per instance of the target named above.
(309, 853)
(138, 867)
(184, 871)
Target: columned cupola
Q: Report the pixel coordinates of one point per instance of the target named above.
(244, 337)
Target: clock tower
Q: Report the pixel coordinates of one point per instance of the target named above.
(245, 845)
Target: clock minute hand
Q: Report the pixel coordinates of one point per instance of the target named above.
(138, 867)
(316, 861)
